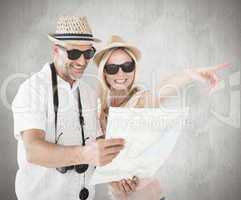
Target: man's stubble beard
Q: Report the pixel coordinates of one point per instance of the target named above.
(66, 67)
(63, 66)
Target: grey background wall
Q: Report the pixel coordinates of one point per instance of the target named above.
(172, 35)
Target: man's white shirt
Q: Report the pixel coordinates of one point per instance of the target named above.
(33, 109)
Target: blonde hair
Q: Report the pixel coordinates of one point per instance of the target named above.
(104, 86)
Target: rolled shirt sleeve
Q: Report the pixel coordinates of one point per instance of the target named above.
(29, 107)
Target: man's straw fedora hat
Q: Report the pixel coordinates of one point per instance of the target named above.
(72, 30)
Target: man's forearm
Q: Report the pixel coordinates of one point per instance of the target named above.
(53, 155)
(41, 152)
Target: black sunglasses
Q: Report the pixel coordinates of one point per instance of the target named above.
(78, 168)
(74, 54)
(126, 67)
(84, 192)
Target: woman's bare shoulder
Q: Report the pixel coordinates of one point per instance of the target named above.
(147, 100)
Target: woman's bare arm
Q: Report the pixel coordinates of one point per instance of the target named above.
(173, 84)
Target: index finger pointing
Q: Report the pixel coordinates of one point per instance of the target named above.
(221, 66)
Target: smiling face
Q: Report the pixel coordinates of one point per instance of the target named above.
(120, 80)
(70, 70)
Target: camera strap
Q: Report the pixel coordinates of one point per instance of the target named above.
(56, 104)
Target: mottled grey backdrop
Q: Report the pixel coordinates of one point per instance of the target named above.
(173, 34)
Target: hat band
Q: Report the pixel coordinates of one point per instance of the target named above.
(71, 36)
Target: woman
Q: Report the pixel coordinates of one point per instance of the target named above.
(117, 64)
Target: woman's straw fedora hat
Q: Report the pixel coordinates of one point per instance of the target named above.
(116, 42)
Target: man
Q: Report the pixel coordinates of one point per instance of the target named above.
(55, 122)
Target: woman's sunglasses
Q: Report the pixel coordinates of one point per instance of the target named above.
(126, 67)
(74, 54)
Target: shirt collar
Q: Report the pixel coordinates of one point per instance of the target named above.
(66, 84)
